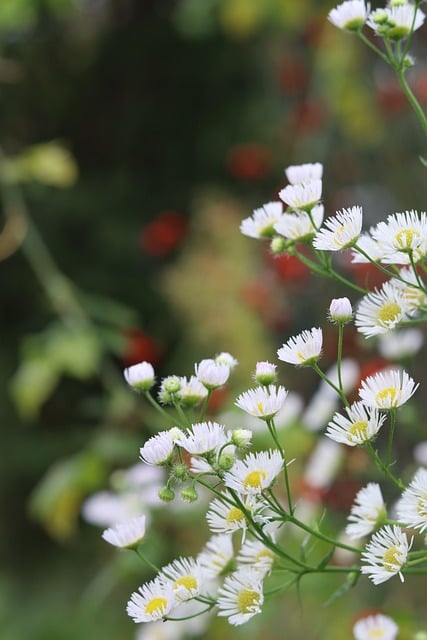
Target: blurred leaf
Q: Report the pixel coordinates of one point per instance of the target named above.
(76, 351)
(56, 500)
(32, 384)
(16, 14)
(49, 163)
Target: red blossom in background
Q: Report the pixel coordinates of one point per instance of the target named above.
(163, 234)
(139, 347)
(249, 162)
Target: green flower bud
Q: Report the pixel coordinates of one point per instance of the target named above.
(166, 494)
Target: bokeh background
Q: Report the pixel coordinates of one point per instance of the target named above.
(135, 135)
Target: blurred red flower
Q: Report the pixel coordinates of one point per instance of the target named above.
(139, 347)
(163, 234)
(249, 162)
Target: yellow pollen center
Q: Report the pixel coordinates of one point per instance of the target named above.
(359, 429)
(260, 407)
(388, 397)
(188, 582)
(265, 553)
(422, 505)
(390, 559)
(254, 479)
(406, 237)
(234, 516)
(247, 600)
(375, 633)
(156, 605)
(388, 313)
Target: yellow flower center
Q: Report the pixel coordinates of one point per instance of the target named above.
(375, 633)
(422, 505)
(390, 559)
(388, 313)
(388, 397)
(260, 407)
(188, 582)
(247, 600)
(359, 429)
(155, 606)
(406, 237)
(234, 516)
(265, 553)
(254, 479)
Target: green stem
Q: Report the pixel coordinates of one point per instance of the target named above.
(391, 436)
(324, 377)
(412, 99)
(383, 467)
(158, 407)
(323, 536)
(147, 562)
(273, 432)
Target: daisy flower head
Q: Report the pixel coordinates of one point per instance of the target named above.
(224, 517)
(226, 358)
(158, 450)
(202, 438)
(217, 556)
(302, 196)
(256, 555)
(299, 226)
(262, 402)
(261, 223)
(303, 349)
(184, 575)
(340, 231)
(387, 389)
(375, 626)
(126, 535)
(241, 596)
(367, 512)
(412, 506)
(361, 425)
(191, 391)
(381, 311)
(396, 22)
(403, 237)
(140, 376)
(153, 601)
(385, 554)
(350, 15)
(212, 374)
(254, 473)
(303, 173)
(340, 310)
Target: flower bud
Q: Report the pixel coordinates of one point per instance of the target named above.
(340, 310)
(278, 245)
(180, 471)
(166, 494)
(241, 437)
(189, 494)
(140, 376)
(171, 384)
(265, 373)
(226, 461)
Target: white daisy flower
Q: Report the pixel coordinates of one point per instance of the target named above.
(185, 577)
(375, 626)
(303, 349)
(226, 358)
(408, 287)
(140, 376)
(262, 402)
(298, 226)
(303, 173)
(153, 601)
(212, 374)
(385, 554)
(340, 310)
(361, 425)
(126, 535)
(261, 223)
(381, 311)
(158, 449)
(412, 506)
(217, 556)
(350, 15)
(301, 196)
(254, 473)
(256, 555)
(202, 438)
(396, 22)
(191, 391)
(373, 250)
(224, 517)
(340, 231)
(403, 235)
(241, 596)
(387, 389)
(401, 344)
(367, 512)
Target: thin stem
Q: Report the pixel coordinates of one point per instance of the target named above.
(339, 354)
(324, 377)
(383, 467)
(272, 428)
(147, 562)
(412, 99)
(158, 407)
(322, 536)
(204, 405)
(391, 436)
